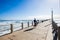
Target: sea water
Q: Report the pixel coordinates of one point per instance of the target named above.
(5, 25)
(57, 21)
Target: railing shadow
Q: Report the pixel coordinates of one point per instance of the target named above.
(54, 30)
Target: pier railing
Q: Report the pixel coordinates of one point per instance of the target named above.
(56, 31)
(10, 28)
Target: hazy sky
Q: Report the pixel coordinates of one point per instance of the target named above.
(28, 9)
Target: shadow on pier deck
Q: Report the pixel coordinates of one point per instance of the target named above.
(56, 31)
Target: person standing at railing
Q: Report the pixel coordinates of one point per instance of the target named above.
(35, 22)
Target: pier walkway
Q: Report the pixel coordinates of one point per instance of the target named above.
(43, 31)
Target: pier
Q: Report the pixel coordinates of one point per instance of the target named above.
(43, 31)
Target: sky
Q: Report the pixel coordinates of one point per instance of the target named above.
(28, 9)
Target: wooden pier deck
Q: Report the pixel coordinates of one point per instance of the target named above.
(43, 31)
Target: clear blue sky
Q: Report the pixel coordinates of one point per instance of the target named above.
(28, 9)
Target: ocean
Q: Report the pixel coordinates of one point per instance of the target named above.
(5, 25)
(57, 21)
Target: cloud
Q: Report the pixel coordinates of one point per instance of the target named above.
(59, 3)
(53, 3)
(39, 17)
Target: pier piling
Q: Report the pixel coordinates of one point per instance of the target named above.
(28, 24)
(32, 23)
(11, 28)
(22, 25)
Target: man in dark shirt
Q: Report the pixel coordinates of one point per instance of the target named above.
(35, 22)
